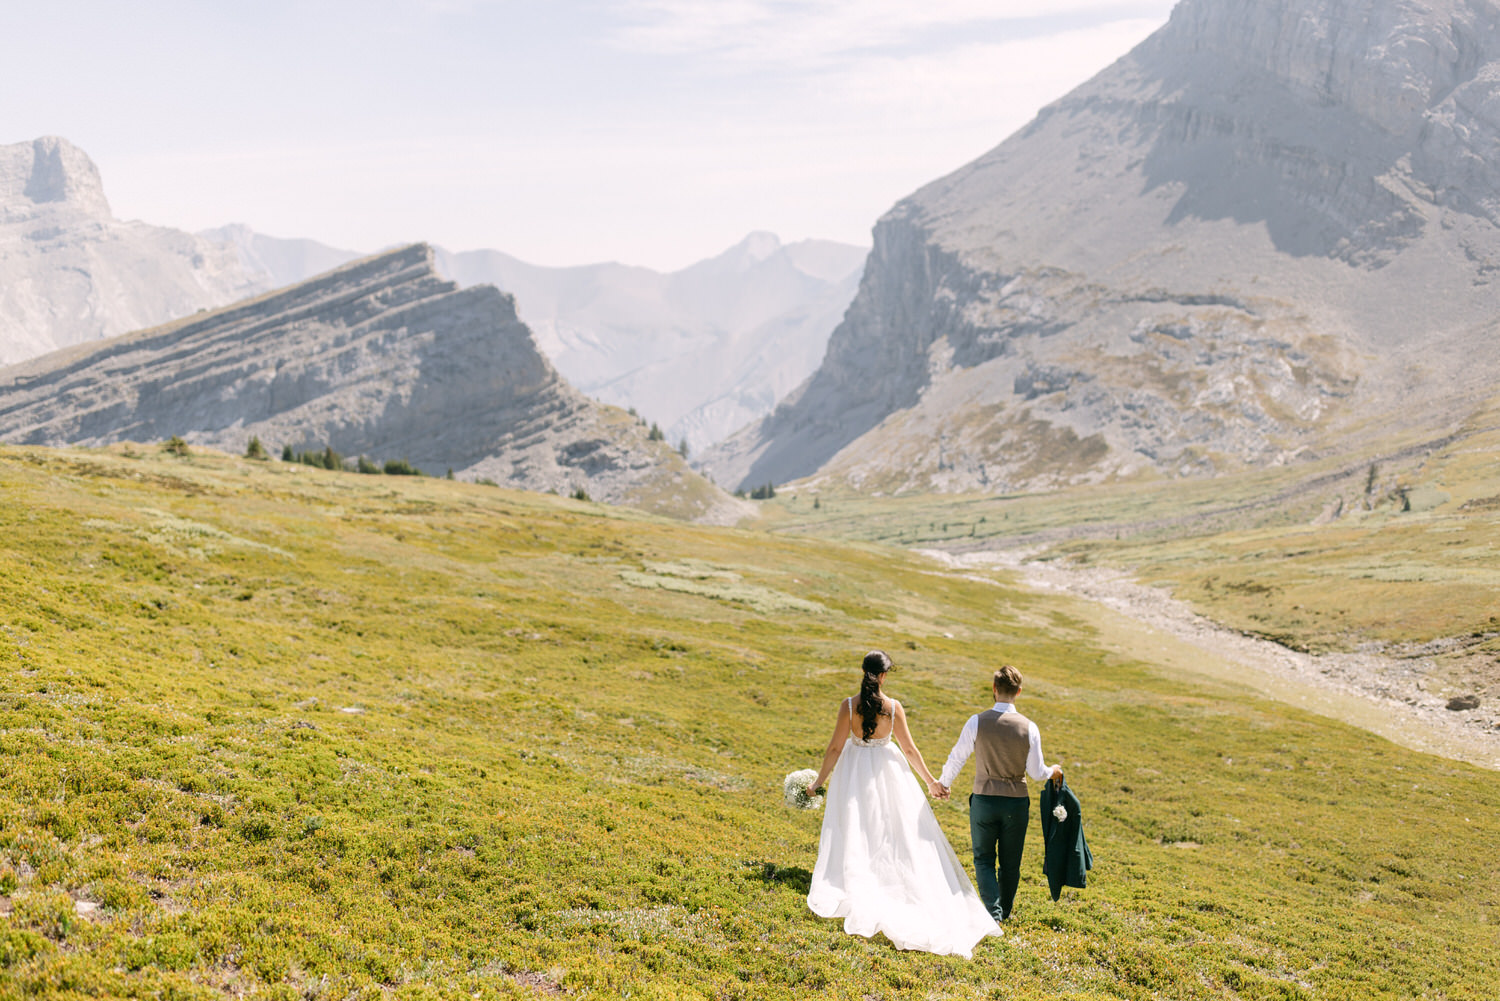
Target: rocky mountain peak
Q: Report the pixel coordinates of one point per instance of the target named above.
(1389, 62)
(70, 272)
(759, 245)
(50, 171)
(1234, 246)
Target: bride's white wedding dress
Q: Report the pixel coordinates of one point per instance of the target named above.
(884, 864)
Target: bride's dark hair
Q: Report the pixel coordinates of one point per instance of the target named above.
(876, 664)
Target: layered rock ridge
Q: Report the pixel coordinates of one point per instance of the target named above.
(381, 358)
(70, 272)
(1267, 231)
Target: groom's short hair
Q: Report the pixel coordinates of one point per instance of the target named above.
(1007, 680)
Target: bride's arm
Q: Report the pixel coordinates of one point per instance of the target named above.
(909, 747)
(835, 746)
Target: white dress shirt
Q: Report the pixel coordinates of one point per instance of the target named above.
(964, 749)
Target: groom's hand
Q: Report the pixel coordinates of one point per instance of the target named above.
(1057, 777)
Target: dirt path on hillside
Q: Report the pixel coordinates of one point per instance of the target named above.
(1375, 691)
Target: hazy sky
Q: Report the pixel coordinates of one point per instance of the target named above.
(653, 132)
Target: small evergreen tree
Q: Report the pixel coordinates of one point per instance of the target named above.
(331, 459)
(255, 450)
(400, 467)
(175, 446)
(655, 433)
(580, 494)
(365, 466)
(763, 493)
(287, 455)
(682, 448)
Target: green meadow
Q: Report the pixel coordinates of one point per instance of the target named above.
(270, 731)
(1393, 550)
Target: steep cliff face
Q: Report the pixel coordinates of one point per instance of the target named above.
(381, 358)
(70, 272)
(1237, 245)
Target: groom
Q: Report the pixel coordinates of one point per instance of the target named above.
(1006, 748)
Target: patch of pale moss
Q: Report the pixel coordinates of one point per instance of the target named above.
(718, 584)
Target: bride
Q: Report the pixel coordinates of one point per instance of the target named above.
(883, 862)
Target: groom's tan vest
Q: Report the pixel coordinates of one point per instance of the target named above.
(1000, 750)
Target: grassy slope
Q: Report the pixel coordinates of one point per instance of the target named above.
(1408, 563)
(300, 733)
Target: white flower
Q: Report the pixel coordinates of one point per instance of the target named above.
(794, 790)
(1060, 812)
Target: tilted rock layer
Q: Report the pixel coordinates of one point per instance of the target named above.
(1268, 230)
(70, 272)
(380, 358)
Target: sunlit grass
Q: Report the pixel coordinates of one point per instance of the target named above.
(277, 732)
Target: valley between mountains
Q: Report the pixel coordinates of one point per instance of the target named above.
(398, 626)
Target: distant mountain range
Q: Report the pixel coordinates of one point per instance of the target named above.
(705, 350)
(1269, 232)
(701, 351)
(71, 272)
(381, 358)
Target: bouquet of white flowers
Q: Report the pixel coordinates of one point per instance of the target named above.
(794, 790)
(1060, 812)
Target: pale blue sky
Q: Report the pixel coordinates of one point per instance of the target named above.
(652, 132)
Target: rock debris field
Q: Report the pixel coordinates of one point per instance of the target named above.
(1372, 690)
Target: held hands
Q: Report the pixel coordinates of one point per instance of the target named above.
(936, 789)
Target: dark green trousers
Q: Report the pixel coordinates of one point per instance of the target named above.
(997, 827)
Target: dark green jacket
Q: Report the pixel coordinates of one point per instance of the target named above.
(1068, 858)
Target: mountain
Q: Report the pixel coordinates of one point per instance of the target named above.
(382, 358)
(1267, 232)
(70, 272)
(276, 262)
(702, 351)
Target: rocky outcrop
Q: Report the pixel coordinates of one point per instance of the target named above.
(70, 272)
(381, 358)
(1236, 246)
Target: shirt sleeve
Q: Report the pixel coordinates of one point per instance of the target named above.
(962, 750)
(1035, 766)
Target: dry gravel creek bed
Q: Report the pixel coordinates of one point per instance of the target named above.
(1372, 690)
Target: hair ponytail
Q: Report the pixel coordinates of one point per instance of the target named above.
(875, 665)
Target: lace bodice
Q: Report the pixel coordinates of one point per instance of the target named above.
(873, 741)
